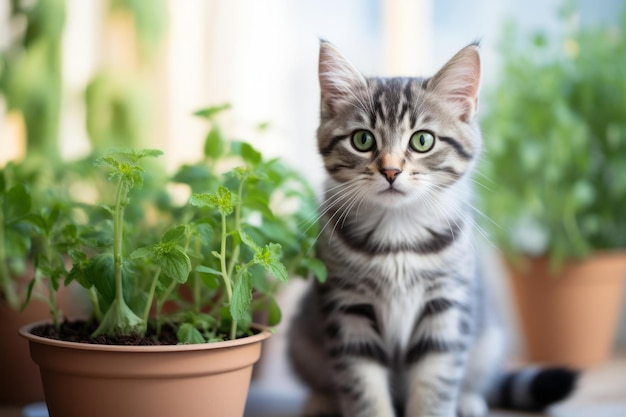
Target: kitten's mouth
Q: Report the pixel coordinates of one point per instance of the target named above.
(391, 191)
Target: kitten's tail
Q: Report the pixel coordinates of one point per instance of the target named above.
(534, 389)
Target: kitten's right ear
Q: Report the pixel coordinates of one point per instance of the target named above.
(459, 80)
(339, 79)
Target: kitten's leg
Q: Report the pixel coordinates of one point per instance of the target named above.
(437, 358)
(309, 359)
(434, 383)
(364, 390)
(482, 367)
(360, 364)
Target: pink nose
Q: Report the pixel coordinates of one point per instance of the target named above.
(390, 173)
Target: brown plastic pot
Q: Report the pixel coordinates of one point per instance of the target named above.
(210, 379)
(20, 382)
(569, 317)
(19, 376)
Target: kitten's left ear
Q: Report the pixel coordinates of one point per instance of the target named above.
(458, 82)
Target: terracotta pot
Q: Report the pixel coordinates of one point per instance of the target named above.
(158, 381)
(20, 382)
(570, 317)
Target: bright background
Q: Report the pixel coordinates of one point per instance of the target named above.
(261, 57)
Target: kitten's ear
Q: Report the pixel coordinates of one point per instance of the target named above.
(339, 79)
(458, 82)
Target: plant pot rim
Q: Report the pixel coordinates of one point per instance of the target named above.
(25, 332)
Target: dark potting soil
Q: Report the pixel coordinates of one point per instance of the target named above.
(81, 331)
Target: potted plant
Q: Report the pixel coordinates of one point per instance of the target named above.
(19, 262)
(556, 144)
(30, 86)
(186, 278)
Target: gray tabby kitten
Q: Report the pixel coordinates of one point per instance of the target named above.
(403, 325)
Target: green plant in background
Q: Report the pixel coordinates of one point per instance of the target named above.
(15, 205)
(215, 260)
(119, 104)
(30, 73)
(32, 216)
(150, 22)
(555, 134)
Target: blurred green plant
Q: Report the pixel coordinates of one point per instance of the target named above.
(15, 205)
(555, 134)
(30, 72)
(150, 22)
(119, 107)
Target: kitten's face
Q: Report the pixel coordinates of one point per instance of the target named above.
(395, 140)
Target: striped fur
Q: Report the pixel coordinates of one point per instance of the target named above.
(402, 326)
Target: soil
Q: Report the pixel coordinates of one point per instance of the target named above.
(81, 331)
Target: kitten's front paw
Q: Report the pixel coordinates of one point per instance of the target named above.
(471, 405)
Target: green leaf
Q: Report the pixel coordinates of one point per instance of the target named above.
(134, 155)
(145, 252)
(247, 153)
(214, 143)
(29, 293)
(174, 234)
(242, 296)
(248, 241)
(175, 264)
(187, 334)
(210, 112)
(101, 274)
(16, 203)
(192, 174)
(120, 320)
(205, 232)
(317, 267)
(210, 280)
(207, 270)
(274, 315)
(78, 271)
(269, 258)
(223, 200)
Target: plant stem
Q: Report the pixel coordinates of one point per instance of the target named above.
(159, 305)
(227, 280)
(195, 285)
(118, 229)
(54, 310)
(8, 286)
(235, 255)
(93, 297)
(119, 319)
(146, 312)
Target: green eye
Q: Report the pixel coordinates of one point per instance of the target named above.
(422, 141)
(363, 141)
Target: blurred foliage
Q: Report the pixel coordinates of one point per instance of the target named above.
(117, 102)
(150, 20)
(30, 71)
(555, 137)
(119, 111)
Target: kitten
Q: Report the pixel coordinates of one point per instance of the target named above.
(403, 326)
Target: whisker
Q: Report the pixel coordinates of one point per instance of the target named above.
(322, 208)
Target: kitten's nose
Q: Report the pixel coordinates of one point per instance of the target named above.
(390, 173)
